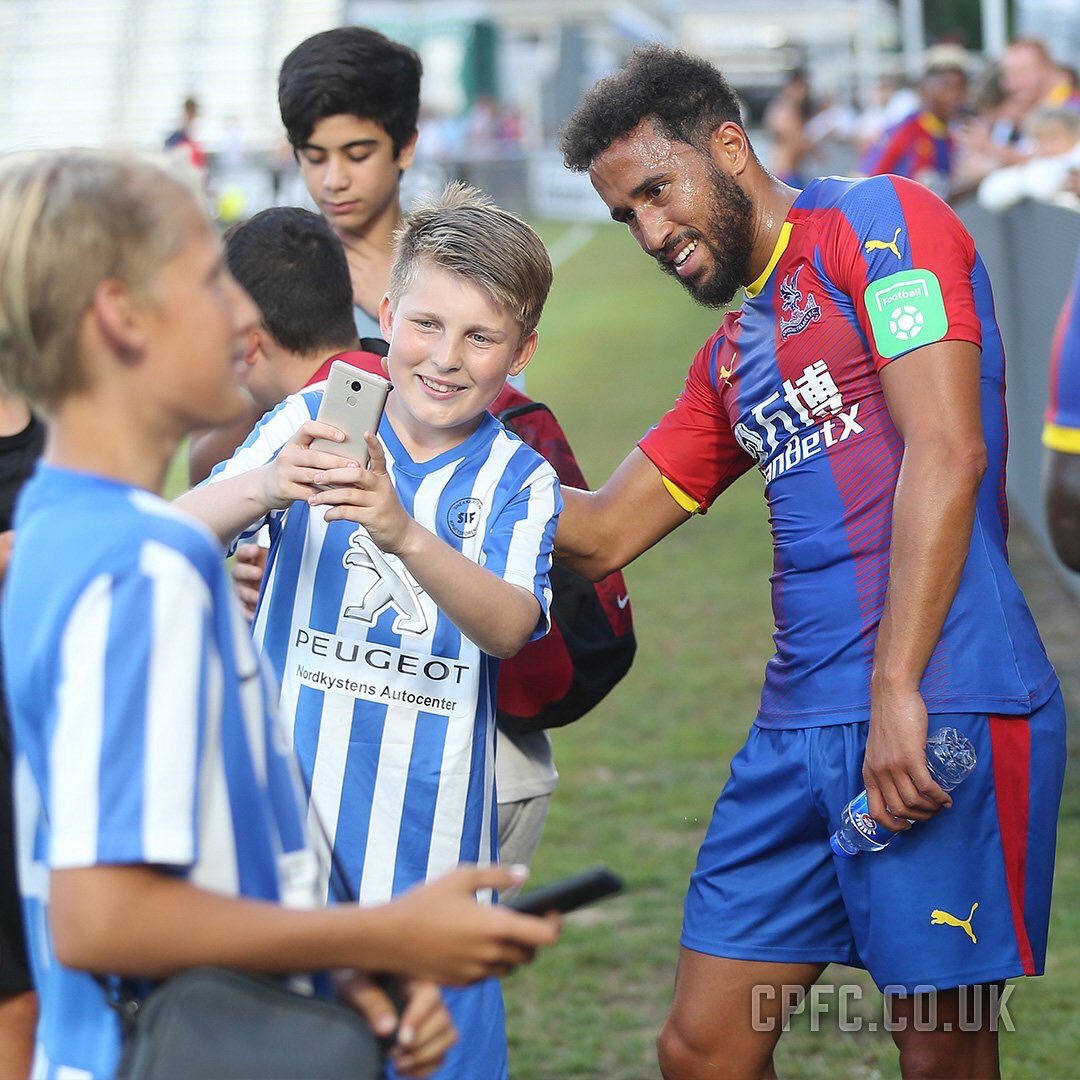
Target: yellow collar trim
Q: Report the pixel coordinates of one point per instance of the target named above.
(1060, 94)
(781, 245)
(933, 124)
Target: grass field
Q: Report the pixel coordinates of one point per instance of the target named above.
(640, 774)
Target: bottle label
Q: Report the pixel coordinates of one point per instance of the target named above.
(859, 808)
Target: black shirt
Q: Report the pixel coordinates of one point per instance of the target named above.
(18, 456)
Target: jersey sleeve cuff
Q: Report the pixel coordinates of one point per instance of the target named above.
(687, 502)
(1065, 440)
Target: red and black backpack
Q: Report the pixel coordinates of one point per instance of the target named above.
(591, 644)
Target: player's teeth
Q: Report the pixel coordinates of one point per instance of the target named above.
(685, 253)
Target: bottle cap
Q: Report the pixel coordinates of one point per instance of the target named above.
(838, 847)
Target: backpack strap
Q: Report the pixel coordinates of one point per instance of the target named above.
(376, 345)
(560, 677)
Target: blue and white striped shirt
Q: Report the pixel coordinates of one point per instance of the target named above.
(393, 708)
(144, 729)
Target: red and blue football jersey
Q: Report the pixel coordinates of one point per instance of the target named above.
(1061, 430)
(864, 272)
(920, 147)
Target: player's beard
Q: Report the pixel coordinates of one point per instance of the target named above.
(729, 211)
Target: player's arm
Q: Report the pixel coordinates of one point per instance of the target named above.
(498, 615)
(109, 919)
(228, 507)
(677, 470)
(1063, 505)
(602, 531)
(1061, 432)
(934, 398)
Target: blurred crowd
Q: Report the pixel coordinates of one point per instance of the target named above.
(1001, 131)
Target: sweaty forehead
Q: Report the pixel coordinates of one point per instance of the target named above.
(631, 160)
(643, 147)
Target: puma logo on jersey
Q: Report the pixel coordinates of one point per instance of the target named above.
(725, 373)
(387, 590)
(885, 245)
(943, 918)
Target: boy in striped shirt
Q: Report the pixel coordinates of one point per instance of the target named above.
(159, 814)
(391, 591)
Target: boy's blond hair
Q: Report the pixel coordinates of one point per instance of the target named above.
(1053, 116)
(464, 232)
(70, 219)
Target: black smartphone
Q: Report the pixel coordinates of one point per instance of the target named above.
(570, 893)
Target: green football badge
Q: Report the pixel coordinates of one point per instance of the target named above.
(906, 310)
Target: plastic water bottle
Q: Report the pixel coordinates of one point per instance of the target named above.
(950, 757)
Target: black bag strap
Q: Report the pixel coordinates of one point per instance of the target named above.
(376, 345)
(514, 411)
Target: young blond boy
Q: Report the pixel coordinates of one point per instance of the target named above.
(349, 100)
(159, 813)
(391, 590)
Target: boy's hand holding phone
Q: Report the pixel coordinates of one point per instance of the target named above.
(367, 496)
(291, 475)
(336, 440)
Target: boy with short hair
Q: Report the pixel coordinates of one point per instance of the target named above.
(159, 812)
(291, 264)
(349, 100)
(391, 591)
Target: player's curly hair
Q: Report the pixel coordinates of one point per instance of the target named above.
(684, 96)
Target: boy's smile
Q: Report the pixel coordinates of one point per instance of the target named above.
(451, 348)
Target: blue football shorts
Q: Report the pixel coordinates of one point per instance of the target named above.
(961, 899)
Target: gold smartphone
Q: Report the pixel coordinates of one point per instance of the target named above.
(353, 403)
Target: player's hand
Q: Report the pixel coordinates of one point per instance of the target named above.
(423, 1032)
(249, 565)
(367, 496)
(899, 786)
(291, 475)
(426, 1031)
(448, 937)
